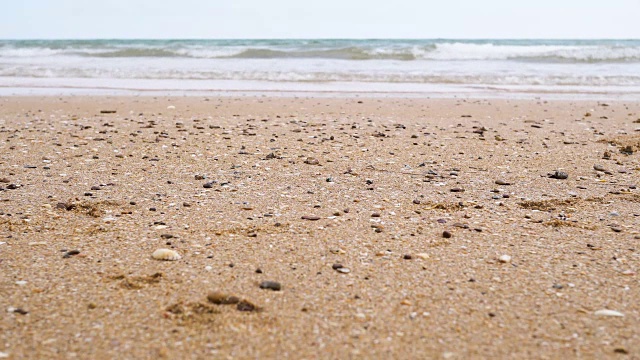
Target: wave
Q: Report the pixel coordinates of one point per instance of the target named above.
(323, 76)
(426, 50)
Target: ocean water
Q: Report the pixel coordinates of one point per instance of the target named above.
(353, 66)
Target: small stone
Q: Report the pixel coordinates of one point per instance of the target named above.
(167, 236)
(416, 201)
(311, 218)
(70, 253)
(220, 298)
(107, 111)
(407, 257)
(95, 188)
(375, 215)
(312, 161)
(208, 185)
(598, 167)
(502, 182)
(245, 305)
(504, 258)
(271, 285)
(446, 234)
(343, 270)
(559, 175)
(457, 189)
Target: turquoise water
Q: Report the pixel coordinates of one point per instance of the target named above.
(358, 65)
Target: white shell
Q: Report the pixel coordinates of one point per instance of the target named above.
(343, 270)
(166, 254)
(504, 258)
(606, 312)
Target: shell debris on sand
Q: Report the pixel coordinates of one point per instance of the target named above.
(166, 254)
(607, 312)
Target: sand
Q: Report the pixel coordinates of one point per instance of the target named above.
(343, 203)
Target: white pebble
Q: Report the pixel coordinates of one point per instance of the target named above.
(606, 312)
(504, 258)
(3, 355)
(343, 270)
(166, 254)
(21, 282)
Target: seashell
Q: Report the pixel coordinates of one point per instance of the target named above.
(166, 254)
(606, 312)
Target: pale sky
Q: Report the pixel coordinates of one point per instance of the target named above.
(231, 19)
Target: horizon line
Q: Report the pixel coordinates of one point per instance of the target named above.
(310, 38)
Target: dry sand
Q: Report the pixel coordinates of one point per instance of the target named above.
(384, 178)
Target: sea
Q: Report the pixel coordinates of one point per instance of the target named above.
(423, 67)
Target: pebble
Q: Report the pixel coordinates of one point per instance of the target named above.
(504, 258)
(271, 285)
(598, 167)
(220, 298)
(312, 161)
(245, 305)
(607, 312)
(70, 253)
(457, 189)
(559, 175)
(340, 268)
(446, 234)
(208, 185)
(312, 218)
(166, 254)
(502, 182)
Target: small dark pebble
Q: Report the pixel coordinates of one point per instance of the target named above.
(621, 351)
(502, 182)
(312, 218)
(245, 305)
(375, 215)
(20, 311)
(336, 266)
(95, 188)
(416, 201)
(456, 189)
(446, 234)
(12, 186)
(88, 194)
(132, 202)
(70, 253)
(258, 271)
(271, 285)
(208, 185)
(167, 236)
(407, 257)
(557, 286)
(152, 209)
(107, 111)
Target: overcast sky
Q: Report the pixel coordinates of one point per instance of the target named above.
(75, 19)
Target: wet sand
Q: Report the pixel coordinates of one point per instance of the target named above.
(344, 203)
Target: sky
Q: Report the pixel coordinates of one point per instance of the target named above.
(233, 19)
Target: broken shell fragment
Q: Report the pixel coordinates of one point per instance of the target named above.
(606, 312)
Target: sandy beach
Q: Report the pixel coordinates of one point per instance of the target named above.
(319, 228)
